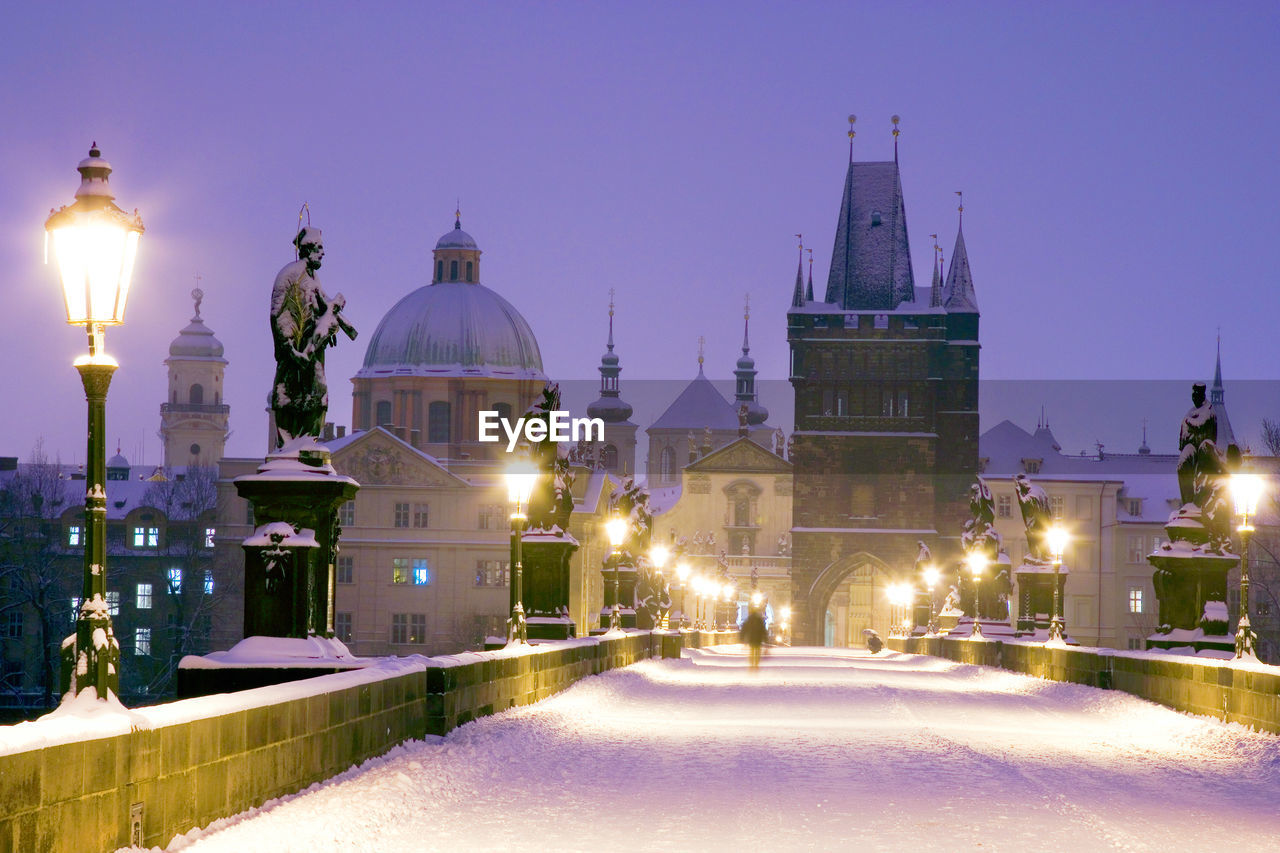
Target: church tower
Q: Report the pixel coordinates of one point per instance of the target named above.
(885, 378)
(193, 423)
(745, 377)
(618, 450)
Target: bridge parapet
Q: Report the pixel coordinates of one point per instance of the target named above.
(82, 785)
(1238, 693)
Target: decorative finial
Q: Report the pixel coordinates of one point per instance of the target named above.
(746, 323)
(810, 251)
(961, 208)
(701, 347)
(611, 319)
(852, 118)
(457, 215)
(895, 119)
(198, 295)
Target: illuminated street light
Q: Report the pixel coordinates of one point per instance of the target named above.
(616, 529)
(931, 577)
(95, 243)
(1246, 489)
(659, 554)
(521, 477)
(977, 566)
(682, 576)
(1057, 538)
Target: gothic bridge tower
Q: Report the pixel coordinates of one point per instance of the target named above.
(885, 377)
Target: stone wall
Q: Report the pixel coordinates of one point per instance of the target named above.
(1248, 694)
(74, 784)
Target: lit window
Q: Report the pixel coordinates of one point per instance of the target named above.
(139, 537)
(345, 569)
(73, 536)
(400, 570)
(208, 536)
(175, 581)
(421, 515)
(342, 626)
(421, 576)
(1135, 599)
(142, 641)
(208, 582)
(75, 610)
(1004, 506)
(402, 515)
(142, 598)
(113, 602)
(347, 514)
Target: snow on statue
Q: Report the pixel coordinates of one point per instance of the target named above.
(305, 322)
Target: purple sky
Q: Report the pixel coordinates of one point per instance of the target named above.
(1118, 164)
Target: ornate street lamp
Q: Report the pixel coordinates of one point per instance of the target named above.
(95, 243)
(521, 476)
(931, 577)
(658, 555)
(786, 623)
(682, 574)
(1058, 538)
(977, 565)
(616, 529)
(729, 594)
(1246, 489)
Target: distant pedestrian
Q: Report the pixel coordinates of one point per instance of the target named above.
(753, 633)
(874, 643)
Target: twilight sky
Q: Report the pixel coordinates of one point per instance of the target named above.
(1117, 159)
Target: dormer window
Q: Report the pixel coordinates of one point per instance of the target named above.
(1031, 466)
(882, 321)
(1134, 506)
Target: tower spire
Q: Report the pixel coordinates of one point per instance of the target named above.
(610, 344)
(852, 118)
(702, 342)
(1216, 393)
(797, 296)
(895, 119)
(958, 294)
(808, 292)
(935, 290)
(746, 324)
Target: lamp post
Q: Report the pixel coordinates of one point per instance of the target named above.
(95, 243)
(682, 575)
(521, 478)
(658, 555)
(729, 593)
(786, 623)
(616, 529)
(977, 565)
(1057, 537)
(931, 575)
(1245, 489)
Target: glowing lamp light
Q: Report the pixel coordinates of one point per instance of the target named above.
(931, 576)
(1058, 538)
(1246, 489)
(786, 614)
(757, 598)
(978, 563)
(658, 555)
(682, 571)
(521, 477)
(616, 529)
(95, 243)
(727, 590)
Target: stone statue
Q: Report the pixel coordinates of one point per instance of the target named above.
(791, 446)
(779, 442)
(1036, 516)
(305, 322)
(923, 557)
(784, 545)
(980, 529)
(1202, 471)
(706, 440)
(742, 419)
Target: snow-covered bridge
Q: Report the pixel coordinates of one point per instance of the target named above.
(819, 749)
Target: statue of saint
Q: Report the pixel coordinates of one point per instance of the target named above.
(305, 322)
(923, 557)
(1200, 461)
(1037, 517)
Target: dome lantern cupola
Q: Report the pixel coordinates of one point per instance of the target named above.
(457, 257)
(746, 376)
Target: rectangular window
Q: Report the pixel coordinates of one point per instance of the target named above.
(1135, 644)
(113, 602)
(1134, 506)
(1004, 506)
(175, 581)
(208, 536)
(153, 537)
(142, 641)
(347, 514)
(75, 610)
(491, 573)
(1057, 506)
(400, 628)
(421, 575)
(73, 536)
(342, 626)
(421, 515)
(11, 628)
(402, 515)
(208, 582)
(345, 569)
(418, 628)
(139, 537)
(142, 596)
(1137, 548)
(1135, 599)
(400, 570)
(904, 407)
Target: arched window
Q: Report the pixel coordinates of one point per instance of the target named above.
(609, 457)
(470, 270)
(438, 421)
(668, 465)
(196, 395)
(382, 416)
(453, 270)
(439, 270)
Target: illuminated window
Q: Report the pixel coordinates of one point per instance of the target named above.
(421, 573)
(1135, 599)
(75, 610)
(208, 536)
(175, 581)
(73, 536)
(113, 602)
(142, 641)
(400, 570)
(208, 582)
(142, 596)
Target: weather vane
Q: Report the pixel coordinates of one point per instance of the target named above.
(895, 119)
(852, 118)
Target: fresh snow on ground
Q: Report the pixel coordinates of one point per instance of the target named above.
(821, 749)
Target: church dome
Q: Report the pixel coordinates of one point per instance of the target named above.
(196, 341)
(456, 238)
(453, 328)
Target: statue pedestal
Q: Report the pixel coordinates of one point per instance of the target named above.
(1191, 587)
(627, 577)
(1035, 595)
(289, 586)
(546, 584)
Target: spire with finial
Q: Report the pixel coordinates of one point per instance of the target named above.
(610, 344)
(895, 119)
(958, 295)
(852, 118)
(1143, 449)
(935, 291)
(610, 408)
(1217, 402)
(746, 323)
(745, 374)
(797, 296)
(808, 291)
(702, 343)
(1217, 393)
(457, 214)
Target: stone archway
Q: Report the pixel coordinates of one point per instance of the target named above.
(862, 606)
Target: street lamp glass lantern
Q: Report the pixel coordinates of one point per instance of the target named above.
(658, 555)
(95, 243)
(931, 576)
(616, 529)
(977, 563)
(1058, 538)
(682, 571)
(1246, 489)
(521, 478)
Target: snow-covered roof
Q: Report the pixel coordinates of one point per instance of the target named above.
(871, 260)
(456, 238)
(699, 405)
(958, 295)
(123, 496)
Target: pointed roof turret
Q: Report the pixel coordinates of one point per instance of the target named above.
(808, 291)
(958, 294)
(935, 291)
(610, 408)
(1217, 403)
(871, 259)
(797, 297)
(745, 374)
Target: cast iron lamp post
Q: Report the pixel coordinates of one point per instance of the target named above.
(977, 565)
(1245, 489)
(931, 575)
(786, 623)
(95, 243)
(658, 555)
(682, 575)
(616, 529)
(1057, 537)
(521, 478)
